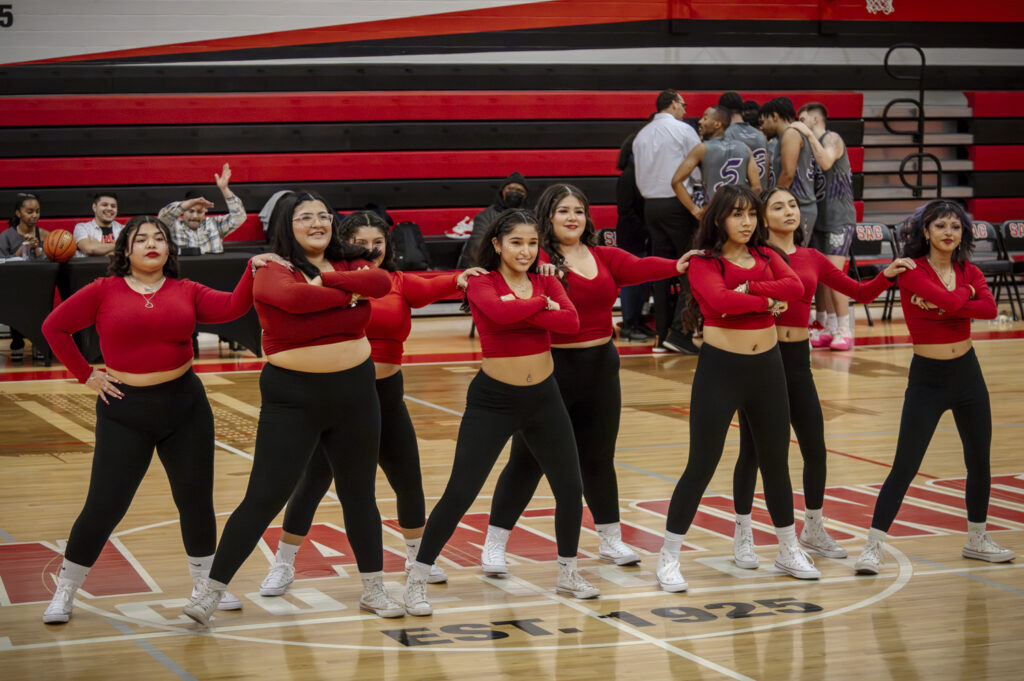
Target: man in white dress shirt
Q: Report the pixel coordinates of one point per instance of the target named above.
(658, 150)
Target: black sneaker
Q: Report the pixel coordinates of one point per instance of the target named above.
(681, 343)
(631, 333)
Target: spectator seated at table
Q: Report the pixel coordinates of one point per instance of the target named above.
(97, 236)
(192, 228)
(23, 240)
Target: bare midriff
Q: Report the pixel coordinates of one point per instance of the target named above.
(525, 370)
(323, 359)
(741, 341)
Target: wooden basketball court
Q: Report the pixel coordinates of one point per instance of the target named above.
(931, 614)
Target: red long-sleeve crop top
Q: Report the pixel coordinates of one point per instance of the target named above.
(522, 326)
(813, 268)
(594, 298)
(950, 323)
(391, 316)
(294, 313)
(138, 339)
(712, 281)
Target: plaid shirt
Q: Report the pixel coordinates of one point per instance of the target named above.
(209, 238)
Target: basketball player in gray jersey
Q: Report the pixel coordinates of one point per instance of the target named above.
(742, 131)
(794, 163)
(722, 161)
(833, 232)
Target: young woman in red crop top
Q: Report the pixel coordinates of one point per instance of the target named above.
(739, 285)
(783, 217)
(515, 311)
(317, 387)
(390, 323)
(587, 372)
(145, 316)
(940, 298)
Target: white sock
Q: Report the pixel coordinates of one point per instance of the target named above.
(412, 547)
(844, 323)
(422, 570)
(199, 566)
(833, 322)
(604, 527)
(73, 572)
(217, 586)
(286, 553)
(877, 535)
(786, 535)
(743, 521)
(371, 577)
(976, 529)
(569, 563)
(673, 543)
(821, 317)
(812, 515)
(498, 533)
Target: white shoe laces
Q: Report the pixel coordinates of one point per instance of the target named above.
(278, 573)
(743, 545)
(985, 544)
(872, 553)
(415, 592)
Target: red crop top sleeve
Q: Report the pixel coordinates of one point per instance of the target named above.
(707, 279)
(484, 295)
(563, 320)
(421, 291)
(275, 285)
(74, 314)
(983, 305)
(862, 292)
(217, 307)
(359, 276)
(919, 282)
(627, 269)
(786, 285)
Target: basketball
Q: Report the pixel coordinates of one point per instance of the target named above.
(59, 245)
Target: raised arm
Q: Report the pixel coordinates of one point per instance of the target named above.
(706, 279)
(826, 153)
(563, 320)
(484, 296)
(275, 285)
(74, 314)
(786, 285)
(862, 292)
(217, 307)
(627, 269)
(420, 291)
(918, 282)
(359, 277)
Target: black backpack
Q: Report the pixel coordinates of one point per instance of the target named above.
(410, 248)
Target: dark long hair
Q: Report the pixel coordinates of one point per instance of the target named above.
(19, 201)
(507, 220)
(910, 233)
(766, 195)
(712, 236)
(120, 266)
(369, 218)
(546, 205)
(283, 240)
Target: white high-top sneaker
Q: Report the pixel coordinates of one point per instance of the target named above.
(279, 577)
(794, 561)
(59, 609)
(571, 582)
(375, 598)
(743, 548)
(205, 599)
(815, 537)
(670, 577)
(436, 576)
(415, 595)
(981, 547)
(870, 560)
(492, 556)
(612, 548)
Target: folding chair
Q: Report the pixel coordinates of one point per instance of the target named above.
(993, 262)
(873, 243)
(1011, 233)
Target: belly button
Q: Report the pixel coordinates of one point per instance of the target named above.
(754, 349)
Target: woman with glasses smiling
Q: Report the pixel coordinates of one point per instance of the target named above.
(317, 387)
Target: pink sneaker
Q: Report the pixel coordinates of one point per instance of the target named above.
(842, 341)
(819, 335)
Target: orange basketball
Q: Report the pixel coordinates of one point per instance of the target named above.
(59, 245)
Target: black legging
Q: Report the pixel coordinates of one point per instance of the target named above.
(494, 412)
(175, 418)
(399, 459)
(933, 386)
(588, 379)
(808, 423)
(671, 228)
(299, 410)
(724, 383)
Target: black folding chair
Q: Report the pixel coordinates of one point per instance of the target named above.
(873, 241)
(1011, 233)
(993, 262)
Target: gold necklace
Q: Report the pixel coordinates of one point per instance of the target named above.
(942, 277)
(517, 287)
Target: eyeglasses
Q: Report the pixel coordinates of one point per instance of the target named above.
(308, 219)
(681, 103)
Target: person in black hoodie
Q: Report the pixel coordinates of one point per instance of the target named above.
(511, 194)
